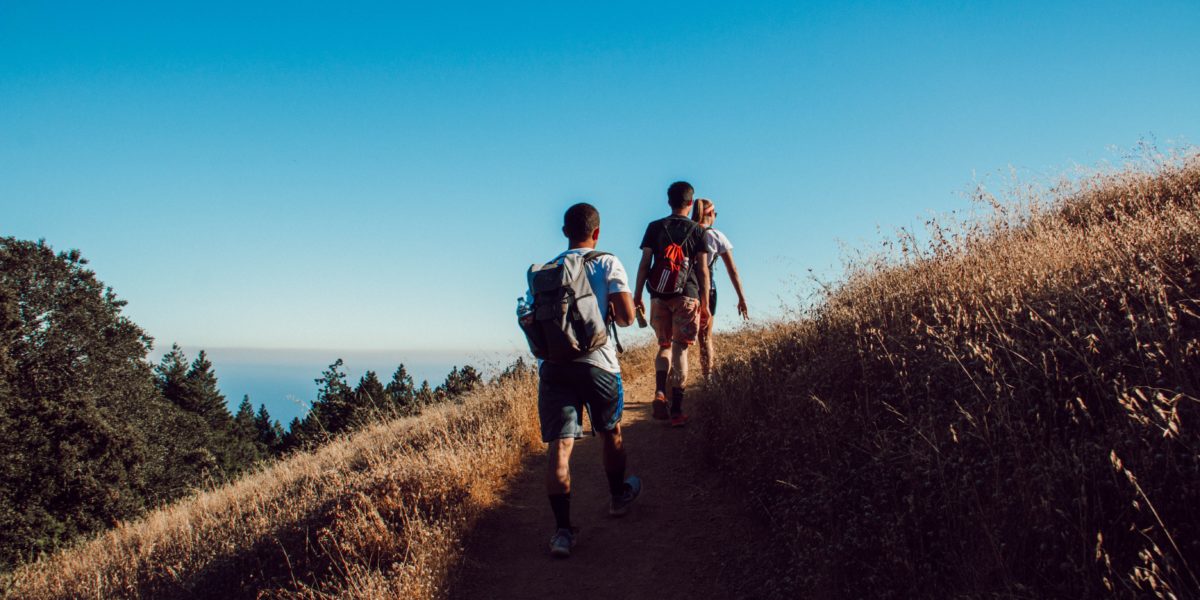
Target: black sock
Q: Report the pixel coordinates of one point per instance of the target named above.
(660, 381)
(616, 482)
(561, 505)
(676, 401)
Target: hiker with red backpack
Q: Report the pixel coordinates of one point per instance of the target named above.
(704, 212)
(569, 316)
(674, 268)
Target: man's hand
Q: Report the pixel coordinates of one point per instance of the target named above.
(643, 272)
(705, 314)
(743, 310)
(620, 309)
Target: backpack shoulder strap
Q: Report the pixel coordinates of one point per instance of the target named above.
(666, 229)
(609, 324)
(696, 226)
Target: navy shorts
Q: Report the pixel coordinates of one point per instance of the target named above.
(566, 389)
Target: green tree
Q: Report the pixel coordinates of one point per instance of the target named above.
(171, 376)
(214, 447)
(297, 436)
(459, 382)
(243, 420)
(244, 447)
(204, 398)
(370, 400)
(334, 409)
(277, 433)
(86, 438)
(517, 368)
(269, 434)
(11, 469)
(401, 392)
(468, 380)
(425, 395)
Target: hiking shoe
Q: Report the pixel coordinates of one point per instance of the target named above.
(679, 420)
(563, 540)
(659, 406)
(620, 504)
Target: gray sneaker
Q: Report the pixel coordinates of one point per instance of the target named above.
(620, 504)
(562, 542)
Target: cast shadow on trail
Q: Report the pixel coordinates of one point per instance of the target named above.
(686, 537)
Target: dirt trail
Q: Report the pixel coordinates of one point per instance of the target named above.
(686, 537)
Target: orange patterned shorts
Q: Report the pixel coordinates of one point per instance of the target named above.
(675, 320)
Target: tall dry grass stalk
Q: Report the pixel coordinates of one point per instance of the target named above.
(376, 515)
(1004, 409)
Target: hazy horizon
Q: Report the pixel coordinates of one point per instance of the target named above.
(282, 379)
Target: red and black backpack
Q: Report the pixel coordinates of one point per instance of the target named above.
(671, 267)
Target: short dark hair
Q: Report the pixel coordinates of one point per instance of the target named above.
(679, 194)
(580, 221)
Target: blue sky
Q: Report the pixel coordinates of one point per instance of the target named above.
(369, 177)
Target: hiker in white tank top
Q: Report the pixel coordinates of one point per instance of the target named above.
(704, 212)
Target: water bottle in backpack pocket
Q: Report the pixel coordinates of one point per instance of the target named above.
(565, 321)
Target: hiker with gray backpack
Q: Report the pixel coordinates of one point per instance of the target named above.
(569, 316)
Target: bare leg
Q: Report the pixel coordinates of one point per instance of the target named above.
(558, 473)
(662, 362)
(662, 368)
(679, 364)
(660, 319)
(558, 481)
(614, 459)
(706, 351)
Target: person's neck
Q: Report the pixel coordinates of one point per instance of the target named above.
(680, 212)
(588, 245)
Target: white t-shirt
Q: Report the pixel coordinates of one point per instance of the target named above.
(717, 244)
(607, 276)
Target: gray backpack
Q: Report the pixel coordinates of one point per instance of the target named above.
(564, 322)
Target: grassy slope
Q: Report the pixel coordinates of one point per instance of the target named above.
(379, 514)
(1008, 410)
(375, 515)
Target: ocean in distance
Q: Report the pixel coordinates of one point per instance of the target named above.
(283, 379)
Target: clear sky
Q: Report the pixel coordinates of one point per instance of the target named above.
(378, 176)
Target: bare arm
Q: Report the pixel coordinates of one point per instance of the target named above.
(702, 258)
(736, 280)
(620, 307)
(642, 274)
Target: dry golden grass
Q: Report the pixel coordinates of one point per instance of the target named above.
(1007, 409)
(376, 515)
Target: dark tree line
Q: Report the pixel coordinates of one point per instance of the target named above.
(223, 445)
(91, 433)
(340, 408)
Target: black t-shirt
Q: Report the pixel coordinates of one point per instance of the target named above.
(685, 232)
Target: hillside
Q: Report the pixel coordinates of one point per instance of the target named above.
(1008, 410)
(374, 515)
(92, 434)
(1005, 410)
